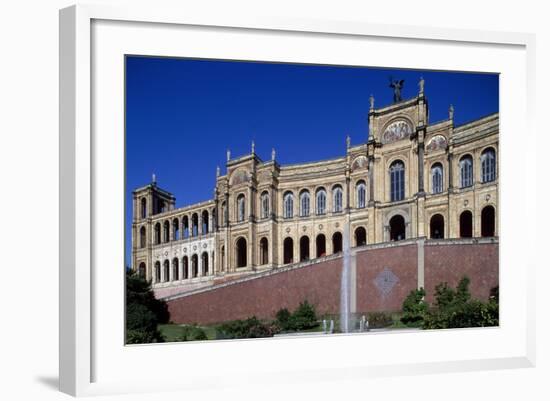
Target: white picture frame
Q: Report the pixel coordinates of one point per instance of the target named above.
(90, 364)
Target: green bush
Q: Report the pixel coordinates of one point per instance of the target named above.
(248, 328)
(379, 320)
(284, 319)
(456, 309)
(143, 311)
(192, 333)
(303, 318)
(414, 308)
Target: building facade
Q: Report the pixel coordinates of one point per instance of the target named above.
(411, 179)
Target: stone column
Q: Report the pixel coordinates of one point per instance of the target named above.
(162, 275)
(199, 264)
(348, 206)
(421, 166)
(371, 179)
(180, 269)
(450, 159)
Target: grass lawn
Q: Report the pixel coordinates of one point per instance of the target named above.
(175, 332)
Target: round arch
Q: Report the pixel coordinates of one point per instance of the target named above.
(437, 226)
(360, 236)
(488, 221)
(240, 252)
(304, 248)
(397, 228)
(288, 250)
(466, 222)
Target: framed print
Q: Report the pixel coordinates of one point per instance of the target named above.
(279, 198)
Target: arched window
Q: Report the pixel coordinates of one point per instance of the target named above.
(288, 250)
(337, 206)
(142, 270)
(437, 226)
(176, 229)
(185, 227)
(304, 248)
(166, 232)
(466, 171)
(185, 267)
(321, 201)
(304, 204)
(488, 221)
(241, 252)
(204, 258)
(264, 202)
(361, 190)
(337, 242)
(143, 208)
(397, 228)
(488, 165)
(175, 269)
(157, 233)
(360, 236)
(166, 270)
(142, 237)
(288, 205)
(466, 224)
(204, 218)
(437, 178)
(397, 181)
(157, 272)
(321, 245)
(195, 225)
(240, 208)
(194, 266)
(264, 251)
(223, 258)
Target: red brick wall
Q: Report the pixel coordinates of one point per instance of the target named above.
(401, 261)
(320, 283)
(451, 262)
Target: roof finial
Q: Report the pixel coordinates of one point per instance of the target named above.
(273, 154)
(348, 141)
(253, 147)
(154, 179)
(421, 86)
(217, 171)
(451, 112)
(371, 99)
(228, 153)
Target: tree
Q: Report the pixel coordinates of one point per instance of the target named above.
(143, 311)
(456, 309)
(414, 308)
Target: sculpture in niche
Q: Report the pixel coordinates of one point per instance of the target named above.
(359, 163)
(436, 143)
(396, 131)
(239, 177)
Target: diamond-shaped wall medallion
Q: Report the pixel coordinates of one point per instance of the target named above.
(385, 281)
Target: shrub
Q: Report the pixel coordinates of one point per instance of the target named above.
(143, 311)
(284, 319)
(303, 318)
(456, 309)
(379, 320)
(414, 308)
(192, 333)
(248, 328)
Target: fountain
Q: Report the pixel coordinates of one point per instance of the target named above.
(345, 286)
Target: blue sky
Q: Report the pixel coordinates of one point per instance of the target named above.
(183, 114)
